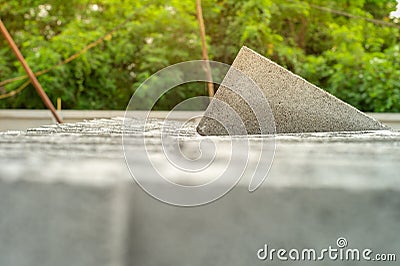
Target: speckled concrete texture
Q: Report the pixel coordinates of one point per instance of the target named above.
(297, 105)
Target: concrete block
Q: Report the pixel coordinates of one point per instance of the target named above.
(232, 230)
(321, 187)
(60, 202)
(49, 224)
(296, 105)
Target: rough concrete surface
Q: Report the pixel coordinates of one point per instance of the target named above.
(66, 198)
(296, 105)
(21, 119)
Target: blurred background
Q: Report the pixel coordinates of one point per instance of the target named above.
(94, 54)
(66, 196)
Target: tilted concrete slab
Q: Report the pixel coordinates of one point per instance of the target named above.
(297, 105)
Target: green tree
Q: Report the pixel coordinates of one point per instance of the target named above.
(345, 54)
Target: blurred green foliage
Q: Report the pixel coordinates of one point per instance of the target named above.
(354, 59)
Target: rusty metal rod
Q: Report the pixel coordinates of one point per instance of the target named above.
(28, 71)
(200, 19)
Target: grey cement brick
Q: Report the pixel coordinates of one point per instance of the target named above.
(62, 201)
(49, 224)
(322, 186)
(231, 230)
(296, 105)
